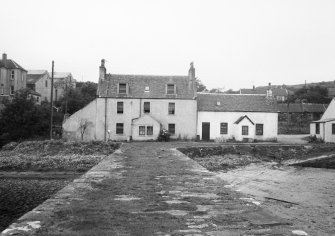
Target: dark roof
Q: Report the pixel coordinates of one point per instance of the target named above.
(33, 77)
(323, 120)
(138, 83)
(242, 118)
(11, 64)
(276, 91)
(32, 92)
(235, 103)
(302, 107)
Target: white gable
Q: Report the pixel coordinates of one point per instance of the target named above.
(330, 112)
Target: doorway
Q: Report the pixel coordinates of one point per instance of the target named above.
(205, 131)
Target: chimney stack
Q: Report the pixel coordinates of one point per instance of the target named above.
(102, 75)
(4, 59)
(191, 79)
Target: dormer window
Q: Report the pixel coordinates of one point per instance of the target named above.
(218, 103)
(122, 88)
(171, 89)
(146, 89)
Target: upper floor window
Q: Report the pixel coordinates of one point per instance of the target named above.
(122, 88)
(119, 107)
(333, 128)
(12, 74)
(245, 130)
(224, 128)
(171, 108)
(171, 89)
(22, 77)
(46, 83)
(2, 90)
(146, 107)
(259, 129)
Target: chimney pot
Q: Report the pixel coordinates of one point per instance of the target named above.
(103, 62)
(4, 59)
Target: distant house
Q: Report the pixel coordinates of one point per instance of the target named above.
(294, 118)
(235, 116)
(62, 82)
(137, 107)
(278, 92)
(35, 95)
(324, 128)
(40, 82)
(13, 77)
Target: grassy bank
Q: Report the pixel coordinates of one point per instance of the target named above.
(54, 155)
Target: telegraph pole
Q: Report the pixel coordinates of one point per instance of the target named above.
(51, 99)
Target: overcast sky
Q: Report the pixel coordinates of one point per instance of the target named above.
(233, 44)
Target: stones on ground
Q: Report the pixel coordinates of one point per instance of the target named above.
(14, 230)
(299, 232)
(126, 198)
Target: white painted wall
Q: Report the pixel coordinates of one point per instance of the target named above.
(269, 120)
(330, 112)
(329, 137)
(321, 135)
(102, 113)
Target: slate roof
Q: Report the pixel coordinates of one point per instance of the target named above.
(11, 64)
(262, 90)
(137, 84)
(35, 75)
(242, 118)
(323, 120)
(302, 107)
(235, 103)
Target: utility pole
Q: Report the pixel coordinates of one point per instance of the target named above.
(51, 99)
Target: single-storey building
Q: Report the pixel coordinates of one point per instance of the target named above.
(237, 117)
(324, 128)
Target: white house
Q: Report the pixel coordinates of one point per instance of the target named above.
(236, 116)
(137, 107)
(324, 128)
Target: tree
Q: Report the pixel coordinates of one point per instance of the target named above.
(200, 86)
(83, 124)
(22, 118)
(311, 94)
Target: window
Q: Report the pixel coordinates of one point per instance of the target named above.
(141, 130)
(224, 128)
(172, 128)
(170, 89)
(171, 108)
(146, 107)
(12, 89)
(150, 130)
(245, 130)
(12, 74)
(119, 128)
(119, 107)
(22, 77)
(46, 83)
(146, 89)
(37, 99)
(259, 129)
(333, 128)
(123, 88)
(2, 89)
(317, 128)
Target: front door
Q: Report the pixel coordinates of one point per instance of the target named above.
(205, 131)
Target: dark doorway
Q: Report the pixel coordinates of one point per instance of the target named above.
(205, 131)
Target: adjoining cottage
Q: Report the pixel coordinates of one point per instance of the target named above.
(237, 117)
(324, 128)
(137, 107)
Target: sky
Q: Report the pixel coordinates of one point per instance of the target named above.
(234, 44)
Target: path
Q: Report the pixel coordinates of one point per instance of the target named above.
(149, 189)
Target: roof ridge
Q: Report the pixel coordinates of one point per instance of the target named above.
(233, 94)
(109, 74)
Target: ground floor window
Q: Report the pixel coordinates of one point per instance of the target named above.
(141, 130)
(224, 128)
(317, 128)
(333, 128)
(172, 129)
(119, 128)
(150, 130)
(245, 130)
(259, 129)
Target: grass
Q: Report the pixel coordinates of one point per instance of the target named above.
(54, 155)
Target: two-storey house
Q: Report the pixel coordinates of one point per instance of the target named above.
(137, 107)
(13, 77)
(40, 82)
